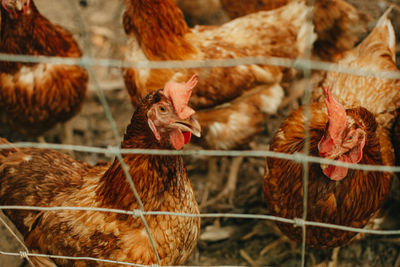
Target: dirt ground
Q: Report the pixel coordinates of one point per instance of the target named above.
(224, 241)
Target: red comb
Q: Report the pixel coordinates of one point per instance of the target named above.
(179, 93)
(336, 114)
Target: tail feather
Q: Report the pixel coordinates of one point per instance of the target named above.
(384, 22)
(6, 151)
(382, 38)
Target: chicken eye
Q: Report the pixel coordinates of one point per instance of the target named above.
(350, 138)
(162, 109)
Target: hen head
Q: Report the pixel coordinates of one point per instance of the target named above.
(13, 7)
(344, 139)
(170, 117)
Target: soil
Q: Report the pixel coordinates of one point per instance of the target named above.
(224, 241)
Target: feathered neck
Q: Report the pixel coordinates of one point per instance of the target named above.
(160, 28)
(152, 175)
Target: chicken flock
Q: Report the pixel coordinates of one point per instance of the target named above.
(350, 118)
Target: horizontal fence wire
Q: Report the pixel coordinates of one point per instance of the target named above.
(87, 61)
(299, 63)
(25, 255)
(115, 151)
(297, 222)
(29, 254)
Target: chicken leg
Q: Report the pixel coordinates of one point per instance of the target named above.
(334, 258)
(213, 175)
(67, 133)
(283, 239)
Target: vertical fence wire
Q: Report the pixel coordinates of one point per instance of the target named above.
(307, 116)
(103, 100)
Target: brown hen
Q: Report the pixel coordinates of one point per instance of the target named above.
(335, 194)
(36, 96)
(46, 178)
(353, 127)
(233, 102)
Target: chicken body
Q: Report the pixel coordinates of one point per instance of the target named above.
(338, 24)
(352, 201)
(36, 96)
(371, 105)
(46, 178)
(234, 100)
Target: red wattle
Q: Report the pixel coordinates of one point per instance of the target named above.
(177, 139)
(337, 173)
(187, 136)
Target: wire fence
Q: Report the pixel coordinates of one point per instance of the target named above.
(88, 62)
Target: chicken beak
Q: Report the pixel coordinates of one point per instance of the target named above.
(190, 125)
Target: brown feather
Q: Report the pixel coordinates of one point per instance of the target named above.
(371, 104)
(46, 178)
(35, 96)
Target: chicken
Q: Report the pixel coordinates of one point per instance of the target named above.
(329, 198)
(233, 102)
(350, 123)
(36, 96)
(47, 178)
(338, 24)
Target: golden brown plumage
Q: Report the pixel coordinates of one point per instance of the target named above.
(338, 24)
(362, 135)
(41, 177)
(36, 96)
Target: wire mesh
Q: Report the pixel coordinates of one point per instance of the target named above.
(304, 64)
